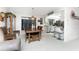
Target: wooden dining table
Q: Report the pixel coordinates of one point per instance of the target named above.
(33, 35)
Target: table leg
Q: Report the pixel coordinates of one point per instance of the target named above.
(59, 36)
(29, 38)
(39, 36)
(26, 37)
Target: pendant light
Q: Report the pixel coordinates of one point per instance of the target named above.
(2, 14)
(33, 17)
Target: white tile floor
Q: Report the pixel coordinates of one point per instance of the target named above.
(46, 43)
(49, 43)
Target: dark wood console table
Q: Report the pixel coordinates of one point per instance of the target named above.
(33, 35)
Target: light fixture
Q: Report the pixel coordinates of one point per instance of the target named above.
(2, 14)
(72, 13)
(50, 12)
(33, 17)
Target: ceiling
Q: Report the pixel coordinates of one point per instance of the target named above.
(42, 11)
(36, 11)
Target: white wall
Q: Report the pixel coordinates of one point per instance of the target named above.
(18, 20)
(19, 12)
(71, 30)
